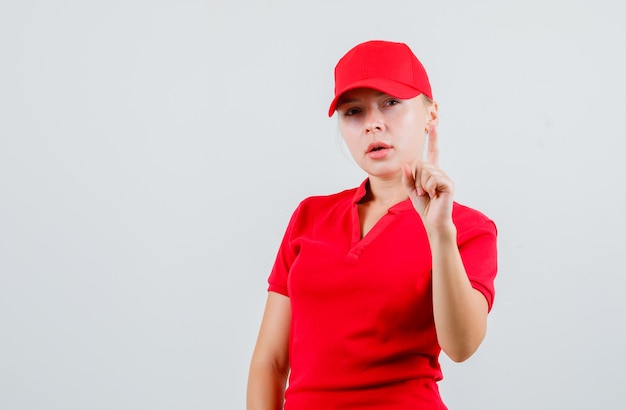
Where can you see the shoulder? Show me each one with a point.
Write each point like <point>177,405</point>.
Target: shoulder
<point>463,213</point>
<point>469,221</point>
<point>315,208</point>
<point>321,203</point>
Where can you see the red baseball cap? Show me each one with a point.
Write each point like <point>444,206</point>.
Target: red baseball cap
<point>384,66</point>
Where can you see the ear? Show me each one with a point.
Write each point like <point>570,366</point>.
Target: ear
<point>433,114</point>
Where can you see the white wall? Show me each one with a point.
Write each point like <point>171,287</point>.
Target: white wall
<point>151,153</point>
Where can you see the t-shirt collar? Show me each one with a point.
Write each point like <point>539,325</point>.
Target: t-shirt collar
<point>361,191</point>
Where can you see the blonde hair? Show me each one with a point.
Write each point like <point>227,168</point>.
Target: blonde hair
<point>427,100</point>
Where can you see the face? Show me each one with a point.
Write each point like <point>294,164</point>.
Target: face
<point>383,132</point>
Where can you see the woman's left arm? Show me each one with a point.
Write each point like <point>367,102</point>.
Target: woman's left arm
<point>460,311</point>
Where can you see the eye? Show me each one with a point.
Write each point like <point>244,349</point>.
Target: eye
<point>349,112</point>
<point>391,102</point>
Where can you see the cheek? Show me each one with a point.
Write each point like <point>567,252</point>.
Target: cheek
<point>352,145</point>
<point>349,134</point>
<point>415,138</point>
<point>347,126</point>
<point>416,122</point>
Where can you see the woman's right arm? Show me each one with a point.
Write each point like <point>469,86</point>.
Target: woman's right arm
<point>269,366</point>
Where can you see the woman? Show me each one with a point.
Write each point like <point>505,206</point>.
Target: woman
<point>370,284</point>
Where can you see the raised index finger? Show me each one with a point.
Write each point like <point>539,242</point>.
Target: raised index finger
<point>432,155</point>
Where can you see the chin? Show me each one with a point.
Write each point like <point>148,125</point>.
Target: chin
<point>386,172</point>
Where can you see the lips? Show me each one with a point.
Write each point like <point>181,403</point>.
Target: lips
<point>377,150</point>
<point>377,146</point>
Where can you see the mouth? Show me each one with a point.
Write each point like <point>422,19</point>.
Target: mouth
<point>377,146</point>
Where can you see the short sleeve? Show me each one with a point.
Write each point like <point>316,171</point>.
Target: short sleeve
<point>478,249</point>
<point>287,253</point>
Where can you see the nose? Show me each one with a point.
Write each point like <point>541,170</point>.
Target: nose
<point>374,123</point>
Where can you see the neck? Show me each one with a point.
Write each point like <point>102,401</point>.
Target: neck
<point>386,191</point>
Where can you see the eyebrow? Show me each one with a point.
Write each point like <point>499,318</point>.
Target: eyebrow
<point>343,101</point>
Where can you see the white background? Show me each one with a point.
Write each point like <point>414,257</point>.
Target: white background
<point>151,153</point>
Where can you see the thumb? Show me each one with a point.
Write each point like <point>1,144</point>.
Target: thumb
<point>413,188</point>
<point>411,181</point>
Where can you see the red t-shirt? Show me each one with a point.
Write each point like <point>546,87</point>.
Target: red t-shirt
<point>362,330</point>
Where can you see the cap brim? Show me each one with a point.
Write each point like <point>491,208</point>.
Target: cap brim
<point>393,88</point>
